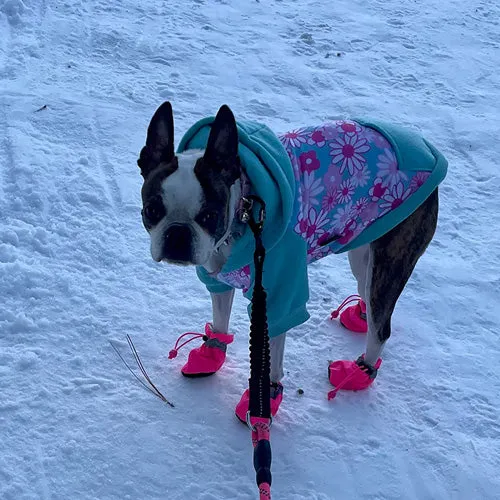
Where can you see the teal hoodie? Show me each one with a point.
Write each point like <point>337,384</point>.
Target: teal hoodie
<point>351,180</point>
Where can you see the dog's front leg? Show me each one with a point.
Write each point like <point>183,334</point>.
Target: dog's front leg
<point>277,349</point>
<point>221,310</point>
<point>210,356</point>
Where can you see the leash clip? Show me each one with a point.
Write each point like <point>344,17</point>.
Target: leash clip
<point>246,212</point>
<point>245,209</point>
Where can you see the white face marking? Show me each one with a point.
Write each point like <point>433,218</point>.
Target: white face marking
<point>181,191</point>
<point>183,197</point>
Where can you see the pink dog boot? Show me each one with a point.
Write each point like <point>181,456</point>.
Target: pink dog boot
<point>354,317</point>
<point>276,398</point>
<point>209,357</point>
<point>351,375</point>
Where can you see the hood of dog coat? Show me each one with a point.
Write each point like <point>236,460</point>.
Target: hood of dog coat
<point>269,170</point>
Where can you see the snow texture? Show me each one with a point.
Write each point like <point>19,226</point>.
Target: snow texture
<point>79,81</point>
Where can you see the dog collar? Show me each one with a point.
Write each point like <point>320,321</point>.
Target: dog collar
<point>241,214</point>
<point>242,211</point>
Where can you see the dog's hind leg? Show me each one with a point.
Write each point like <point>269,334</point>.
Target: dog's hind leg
<point>358,260</point>
<point>391,261</point>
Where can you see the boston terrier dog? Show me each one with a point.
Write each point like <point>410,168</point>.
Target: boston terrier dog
<point>363,187</point>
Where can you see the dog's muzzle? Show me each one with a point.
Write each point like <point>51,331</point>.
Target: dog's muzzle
<point>178,243</point>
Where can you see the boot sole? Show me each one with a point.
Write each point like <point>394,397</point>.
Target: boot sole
<point>197,375</point>
<point>239,419</point>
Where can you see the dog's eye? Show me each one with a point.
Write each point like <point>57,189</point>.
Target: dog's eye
<point>154,211</point>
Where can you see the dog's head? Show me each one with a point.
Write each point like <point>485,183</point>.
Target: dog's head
<point>187,199</point>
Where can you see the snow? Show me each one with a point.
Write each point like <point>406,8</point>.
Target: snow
<point>76,273</point>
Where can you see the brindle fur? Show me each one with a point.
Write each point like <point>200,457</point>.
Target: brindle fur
<point>391,262</point>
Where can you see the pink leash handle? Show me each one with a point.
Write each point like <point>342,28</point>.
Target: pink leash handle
<point>262,454</point>
<point>265,491</point>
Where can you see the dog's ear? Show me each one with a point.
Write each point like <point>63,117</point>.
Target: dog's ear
<point>160,140</point>
<point>222,146</point>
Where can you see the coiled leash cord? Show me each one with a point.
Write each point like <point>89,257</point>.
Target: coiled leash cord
<point>259,410</point>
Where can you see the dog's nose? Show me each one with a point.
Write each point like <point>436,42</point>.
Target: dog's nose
<point>178,243</point>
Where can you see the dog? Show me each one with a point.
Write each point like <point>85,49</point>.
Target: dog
<point>308,178</point>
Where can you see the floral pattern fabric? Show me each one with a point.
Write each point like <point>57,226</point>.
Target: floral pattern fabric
<point>347,176</point>
<point>239,279</point>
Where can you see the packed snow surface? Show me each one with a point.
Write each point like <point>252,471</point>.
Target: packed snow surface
<point>79,81</point>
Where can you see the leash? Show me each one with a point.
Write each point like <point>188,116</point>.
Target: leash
<point>259,410</point>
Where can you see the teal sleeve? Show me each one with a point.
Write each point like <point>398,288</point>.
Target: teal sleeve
<point>213,286</point>
<point>286,284</point>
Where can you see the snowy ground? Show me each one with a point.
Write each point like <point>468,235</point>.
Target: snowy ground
<point>75,270</point>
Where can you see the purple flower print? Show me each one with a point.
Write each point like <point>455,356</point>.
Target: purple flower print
<point>394,198</point>
<point>333,177</point>
<point>377,190</point>
<point>348,127</point>
<point>369,213</point>
<point>311,189</point>
<point>342,217</point>
<point>309,161</point>
<point>418,180</point>
<point>345,191</point>
<point>375,137</point>
<point>310,224</point>
<point>388,169</point>
<point>360,206</point>
<point>330,199</point>
<point>317,138</point>
<point>294,138</point>
<point>349,151</point>
<point>360,177</point>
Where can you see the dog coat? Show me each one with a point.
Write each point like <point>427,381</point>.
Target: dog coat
<point>328,189</point>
